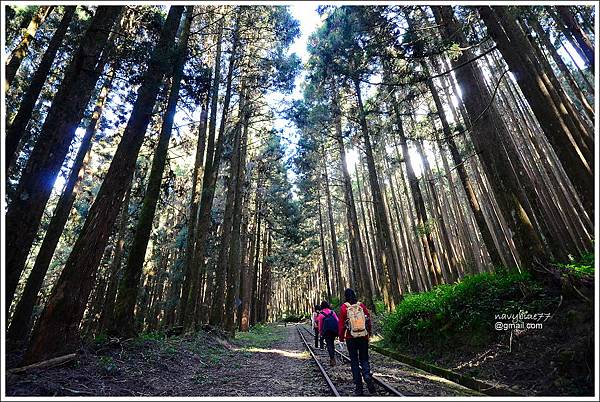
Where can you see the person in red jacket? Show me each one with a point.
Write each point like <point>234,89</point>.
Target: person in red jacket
<point>357,339</point>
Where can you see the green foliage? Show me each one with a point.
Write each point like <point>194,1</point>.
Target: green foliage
<point>291,317</point>
<point>463,312</point>
<point>108,365</point>
<point>380,307</point>
<point>100,339</point>
<point>153,336</point>
<point>335,302</point>
<point>581,267</point>
<point>455,51</point>
<point>259,336</point>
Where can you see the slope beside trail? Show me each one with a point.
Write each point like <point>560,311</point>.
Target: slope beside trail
<point>267,361</point>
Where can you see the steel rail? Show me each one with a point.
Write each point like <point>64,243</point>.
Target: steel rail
<point>377,380</point>
<point>331,386</point>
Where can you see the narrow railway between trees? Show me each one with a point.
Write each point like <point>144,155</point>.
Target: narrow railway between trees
<point>392,378</point>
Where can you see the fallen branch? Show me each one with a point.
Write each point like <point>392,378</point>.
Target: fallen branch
<point>44,364</point>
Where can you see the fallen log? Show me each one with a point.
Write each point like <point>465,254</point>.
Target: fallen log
<point>44,364</point>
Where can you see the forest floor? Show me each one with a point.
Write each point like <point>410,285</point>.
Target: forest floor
<point>267,361</point>
<point>271,360</point>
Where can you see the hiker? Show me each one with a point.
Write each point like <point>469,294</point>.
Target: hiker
<point>313,323</point>
<point>355,329</point>
<point>328,328</point>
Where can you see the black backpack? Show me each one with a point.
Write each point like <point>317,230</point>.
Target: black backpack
<point>330,325</point>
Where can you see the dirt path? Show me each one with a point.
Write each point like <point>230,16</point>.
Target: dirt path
<point>267,361</point>
<point>275,365</point>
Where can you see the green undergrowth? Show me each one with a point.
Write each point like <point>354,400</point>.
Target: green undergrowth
<point>579,268</point>
<point>463,313</point>
<point>259,336</point>
<point>292,317</point>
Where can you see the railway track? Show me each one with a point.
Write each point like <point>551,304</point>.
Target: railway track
<point>381,384</point>
<point>391,377</point>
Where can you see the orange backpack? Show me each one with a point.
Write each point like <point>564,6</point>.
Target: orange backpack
<point>357,320</point>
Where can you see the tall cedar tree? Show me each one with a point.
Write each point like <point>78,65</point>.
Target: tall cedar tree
<point>37,180</point>
<point>66,304</point>
<point>16,128</point>
<point>128,287</point>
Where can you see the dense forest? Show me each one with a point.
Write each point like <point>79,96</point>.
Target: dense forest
<point>150,184</point>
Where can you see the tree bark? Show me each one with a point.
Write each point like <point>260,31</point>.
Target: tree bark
<point>487,133</point>
<point>357,252</point>
<point>192,277</point>
<point>128,286</point>
<point>210,178</point>
<point>16,128</point>
<point>554,115</point>
<point>383,230</point>
<point>37,180</point>
<point>66,304</point>
<point>19,326</point>
<point>464,178</point>
<point>106,316</point>
<point>18,54</point>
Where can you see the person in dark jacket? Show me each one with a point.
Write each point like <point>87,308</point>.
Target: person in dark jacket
<point>357,344</point>
<point>328,330</point>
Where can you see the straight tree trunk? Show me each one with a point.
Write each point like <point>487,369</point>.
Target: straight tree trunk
<point>383,230</point>
<point>487,132</point>
<point>357,252</point>
<point>192,277</point>
<point>106,316</point>
<point>462,174</point>
<point>18,54</point>
<point>553,114</point>
<point>19,326</point>
<point>37,180</point>
<point>224,270</point>
<point>128,287</point>
<point>66,304</point>
<point>581,37</point>
<point>16,128</point>
<point>235,251</point>
<point>333,237</point>
<point>210,178</point>
<point>249,272</point>
<point>193,214</point>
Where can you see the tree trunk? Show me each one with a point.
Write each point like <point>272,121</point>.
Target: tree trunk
<point>422,219</point>
<point>235,251</point>
<point>193,214</point>
<point>487,133</point>
<point>323,250</point>
<point>106,316</point>
<point>19,326</point>
<point>224,269</point>
<point>383,230</point>
<point>357,252</point>
<point>210,179</point>
<point>333,237</point>
<point>554,115</point>
<point>462,174</point>
<point>581,37</point>
<point>542,36</point>
<point>128,286</point>
<point>248,279</point>
<point>18,54</point>
<point>37,180</point>
<point>16,128</point>
<point>66,304</point>
<point>190,283</point>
